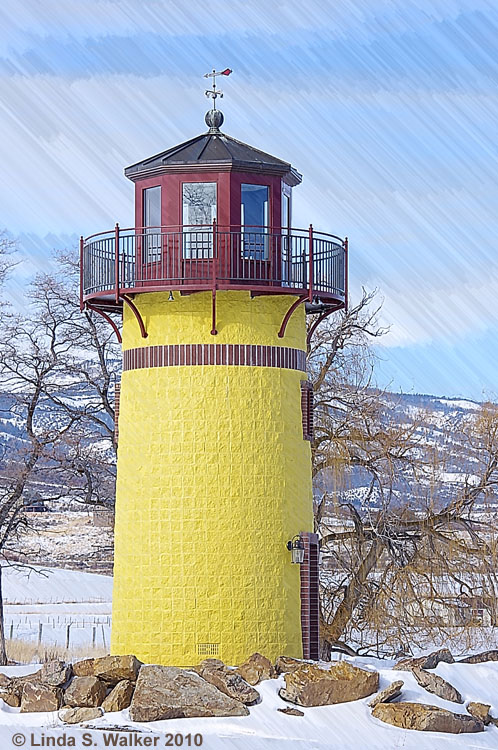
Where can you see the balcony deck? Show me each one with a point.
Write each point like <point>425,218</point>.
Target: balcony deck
<point>118,264</point>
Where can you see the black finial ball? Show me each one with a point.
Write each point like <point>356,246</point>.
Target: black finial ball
<point>214,119</point>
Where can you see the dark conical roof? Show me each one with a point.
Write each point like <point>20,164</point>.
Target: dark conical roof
<point>211,151</point>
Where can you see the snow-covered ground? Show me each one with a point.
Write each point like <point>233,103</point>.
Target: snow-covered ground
<point>348,726</point>
<point>69,606</point>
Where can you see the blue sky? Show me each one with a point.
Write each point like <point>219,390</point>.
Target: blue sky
<point>389,108</point>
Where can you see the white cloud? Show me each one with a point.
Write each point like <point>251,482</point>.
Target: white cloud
<point>23,21</point>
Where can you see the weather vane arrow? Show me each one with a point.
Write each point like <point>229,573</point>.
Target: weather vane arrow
<point>214,93</point>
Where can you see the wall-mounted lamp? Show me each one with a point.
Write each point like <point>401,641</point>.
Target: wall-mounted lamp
<point>296,548</point>
<point>171,298</point>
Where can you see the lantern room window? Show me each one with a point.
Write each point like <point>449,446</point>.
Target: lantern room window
<point>286,209</point>
<point>254,211</point>
<point>152,223</point>
<point>286,245</point>
<point>199,211</point>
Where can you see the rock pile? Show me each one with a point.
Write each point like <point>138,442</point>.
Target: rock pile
<point>87,689</point>
<point>427,718</point>
<point>105,684</point>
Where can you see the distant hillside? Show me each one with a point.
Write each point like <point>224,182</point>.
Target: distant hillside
<point>437,422</point>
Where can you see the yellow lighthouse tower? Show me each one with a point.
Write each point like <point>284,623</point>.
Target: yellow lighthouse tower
<point>214,547</point>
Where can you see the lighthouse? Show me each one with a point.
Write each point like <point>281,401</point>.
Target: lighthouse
<point>215,554</point>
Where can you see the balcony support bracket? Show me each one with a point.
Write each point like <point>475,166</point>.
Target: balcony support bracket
<point>316,323</point>
<point>108,319</point>
<point>288,314</point>
<point>214,331</point>
<point>137,315</point>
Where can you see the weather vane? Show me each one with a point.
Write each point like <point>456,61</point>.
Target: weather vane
<point>214,93</point>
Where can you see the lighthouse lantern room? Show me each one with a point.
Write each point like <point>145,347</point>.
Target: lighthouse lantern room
<point>215,408</point>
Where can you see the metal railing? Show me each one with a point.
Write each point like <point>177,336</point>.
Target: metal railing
<point>213,257</point>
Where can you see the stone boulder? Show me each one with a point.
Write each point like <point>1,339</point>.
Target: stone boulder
<point>429,661</point>
<point>312,686</point>
<point>210,664</point>
<point>425,718</point>
<point>78,715</point>
<point>256,669</point>
<point>174,693</point>
<point>232,684</point>
<point>85,692</point>
<point>291,711</point>
<point>480,658</point>
<point>55,673</point>
<point>7,693</point>
<point>435,684</point>
<point>4,681</point>
<point>120,697</point>
<point>480,711</point>
<point>38,697</point>
<point>11,699</point>
<point>16,684</point>
<point>390,693</point>
<point>84,668</point>
<point>227,680</point>
<point>287,664</point>
<point>114,669</point>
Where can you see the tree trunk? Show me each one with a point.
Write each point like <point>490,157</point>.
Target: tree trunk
<point>3,650</point>
<point>334,630</point>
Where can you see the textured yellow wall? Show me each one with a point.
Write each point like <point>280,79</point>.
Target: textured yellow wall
<point>213,478</point>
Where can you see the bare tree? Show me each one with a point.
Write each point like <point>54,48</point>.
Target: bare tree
<point>57,372</point>
<point>30,365</point>
<point>7,256</point>
<point>393,558</point>
<point>92,364</point>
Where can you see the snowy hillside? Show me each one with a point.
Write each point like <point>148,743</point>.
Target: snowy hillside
<point>48,585</point>
<point>437,418</point>
<point>436,422</point>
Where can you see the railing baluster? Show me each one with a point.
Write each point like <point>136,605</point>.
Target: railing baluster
<point>310,280</point>
<point>116,262</point>
<point>81,272</point>
<point>213,254</point>
<point>346,250</point>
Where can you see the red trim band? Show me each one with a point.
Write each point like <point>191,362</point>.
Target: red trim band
<point>248,355</point>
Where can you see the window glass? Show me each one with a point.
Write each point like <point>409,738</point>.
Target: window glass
<point>286,240</point>
<point>285,213</point>
<point>199,210</point>
<point>152,219</point>
<point>254,211</point>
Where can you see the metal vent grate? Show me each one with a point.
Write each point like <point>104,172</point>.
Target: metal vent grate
<point>208,649</point>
